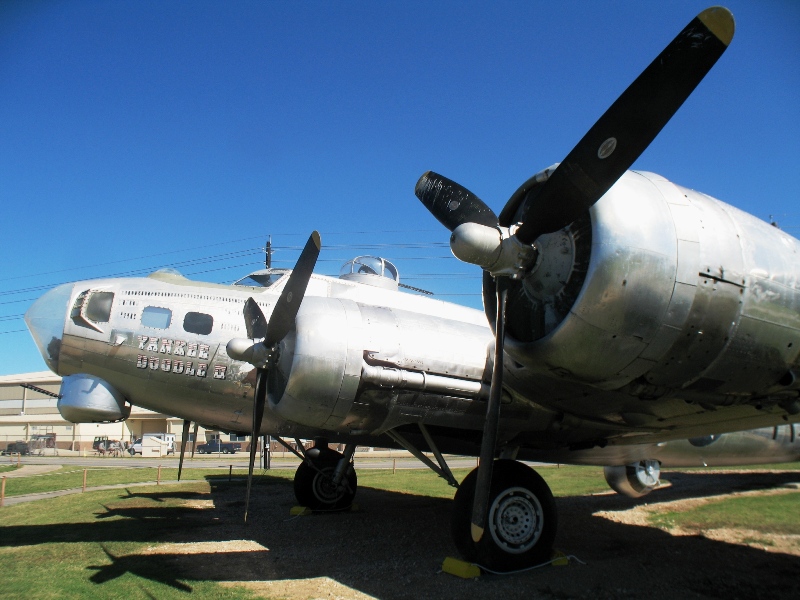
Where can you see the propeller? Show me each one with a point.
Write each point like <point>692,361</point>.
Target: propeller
<point>263,354</point>
<point>626,129</point>
<point>184,439</point>
<point>492,422</point>
<point>451,203</point>
<point>553,201</point>
<point>194,438</point>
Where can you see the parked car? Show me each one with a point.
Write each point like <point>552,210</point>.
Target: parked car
<point>98,441</point>
<point>18,447</point>
<point>219,446</point>
<point>136,447</point>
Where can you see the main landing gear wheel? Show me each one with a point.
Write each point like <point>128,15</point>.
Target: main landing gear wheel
<point>521,523</point>
<point>313,484</point>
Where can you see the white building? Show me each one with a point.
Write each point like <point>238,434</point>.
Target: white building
<point>25,413</point>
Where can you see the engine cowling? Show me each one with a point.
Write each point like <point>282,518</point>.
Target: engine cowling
<point>338,345</point>
<point>89,399</point>
<point>663,285</point>
<point>634,480</point>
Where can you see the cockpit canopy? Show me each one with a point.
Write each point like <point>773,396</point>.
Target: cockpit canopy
<point>264,278</point>
<point>371,270</point>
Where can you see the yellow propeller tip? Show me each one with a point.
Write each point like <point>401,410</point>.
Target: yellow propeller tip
<point>477,532</point>
<point>719,21</point>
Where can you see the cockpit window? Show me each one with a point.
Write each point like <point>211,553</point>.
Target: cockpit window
<point>200,323</point>
<point>98,309</point>
<point>261,279</point>
<point>156,317</point>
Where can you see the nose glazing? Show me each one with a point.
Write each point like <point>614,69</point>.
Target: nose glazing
<point>45,319</point>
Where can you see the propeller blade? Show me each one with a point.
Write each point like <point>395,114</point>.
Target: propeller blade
<point>617,139</point>
<point>254,320</point>
<point>282,319</point>
<point>451,203</point>
<point>259,397</point>
<point>194,438</point>
<point>480,506</point>
<point>280,323</point>
<point>184,439</point>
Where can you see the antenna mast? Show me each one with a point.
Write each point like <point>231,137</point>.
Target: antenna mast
<point>268,261</point>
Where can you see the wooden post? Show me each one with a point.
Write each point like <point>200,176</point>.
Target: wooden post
<point>230,472</point>
<point>19,457</point>
<point>3,491</point>
<point>84,480</point>
<point>158,480</point>
<point>394,466</point>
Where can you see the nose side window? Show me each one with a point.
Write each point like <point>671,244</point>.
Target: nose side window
<point>98,309</point>
<point>200,323</point>
<point>156,317</point>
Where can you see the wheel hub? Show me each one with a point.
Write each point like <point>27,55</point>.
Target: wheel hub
<point>324,489</point>
<point>516,520</point>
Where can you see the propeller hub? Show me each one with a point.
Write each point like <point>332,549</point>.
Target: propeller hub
<point>494,249</point>
<point>259,354</point>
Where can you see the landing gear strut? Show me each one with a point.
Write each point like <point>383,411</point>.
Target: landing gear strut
<point>521,520</point>
<point>318,484</point>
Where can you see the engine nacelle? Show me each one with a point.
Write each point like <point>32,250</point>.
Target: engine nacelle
<point>89,399</point>
<point>663,285</point>
<point>634,480</point>
<point>322,364</point>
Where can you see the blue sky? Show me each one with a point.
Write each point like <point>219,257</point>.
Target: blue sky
<point>141,134</point>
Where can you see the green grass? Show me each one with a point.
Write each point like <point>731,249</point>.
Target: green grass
<point>90,545</point>
<point>569,480</point>
<point>86,546</point>
<point>774,513</point>
<point>7,468</point>
<point>410,481</point>
<point>563,480</point>
<point>72,477</point>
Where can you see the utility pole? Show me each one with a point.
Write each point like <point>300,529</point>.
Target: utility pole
<point>269,252</point>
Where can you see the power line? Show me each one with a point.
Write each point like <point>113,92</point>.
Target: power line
<point>204,246</point>
<point>235,254</point>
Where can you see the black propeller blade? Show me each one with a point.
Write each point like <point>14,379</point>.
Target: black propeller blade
<point>280,324</point>
<point>259,400</point>
<point>282,319</point>
<point>617,139</point>
<point>452,203</point>
<point>480,505</point>
<point>184,439</point>
<point>254,321</point>
<point>194,438</point>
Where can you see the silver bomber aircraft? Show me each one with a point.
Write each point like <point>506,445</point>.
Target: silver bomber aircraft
<point>622,312</point>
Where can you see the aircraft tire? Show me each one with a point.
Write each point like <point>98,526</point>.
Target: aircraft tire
<point>522,521</point>
<point>634,480</point>
<point>313,485</point>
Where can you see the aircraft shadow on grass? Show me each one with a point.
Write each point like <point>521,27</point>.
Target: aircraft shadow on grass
<point>394,529</point>
<point>163,496</point>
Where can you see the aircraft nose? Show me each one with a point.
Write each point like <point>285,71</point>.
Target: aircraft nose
<point>45,319</point>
